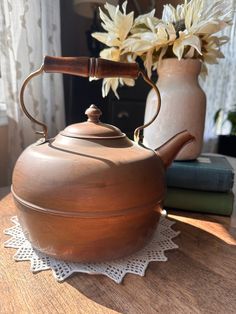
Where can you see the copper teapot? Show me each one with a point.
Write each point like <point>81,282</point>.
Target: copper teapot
<point>91,194</point>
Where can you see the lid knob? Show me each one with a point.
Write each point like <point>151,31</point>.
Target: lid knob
<point>93,113</point>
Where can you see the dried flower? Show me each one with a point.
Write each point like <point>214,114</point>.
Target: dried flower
<point>117,25</point>
<point>186,31</point>
<point>195,20</point>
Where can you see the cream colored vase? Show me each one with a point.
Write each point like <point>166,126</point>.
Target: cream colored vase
<point>183,106</point>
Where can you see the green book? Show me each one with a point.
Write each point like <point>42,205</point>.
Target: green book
<point>200,201</point>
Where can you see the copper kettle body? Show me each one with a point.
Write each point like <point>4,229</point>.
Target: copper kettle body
<point>91,194</point>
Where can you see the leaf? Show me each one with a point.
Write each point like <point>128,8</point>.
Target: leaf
<point>105,87</point>
<point>148,62</point>
<point>190,53</point>
<point>189,18</point>
<point>142,19</point>
<point>169,13</point>
<point>232,117</point>
<point>110,54</point>
<point>212,27</point>
<point>178,49</point>
<point>137,45</point>
<point>128,82</point>
<point>124,24</point>
<point>163,52</point>
<point>107,24</point>
<point>217,115</point>
<point>186,40</point>
<point>111,9</point>
<point>107,38</point>
<point>114,86</point>
<point>124,6</point>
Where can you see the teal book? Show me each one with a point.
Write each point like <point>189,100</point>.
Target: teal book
<point>206,173</point>
<point>200,201</point>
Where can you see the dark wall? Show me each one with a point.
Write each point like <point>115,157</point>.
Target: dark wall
<point>79,92</point>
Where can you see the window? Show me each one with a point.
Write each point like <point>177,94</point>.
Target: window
<point>3,116</point>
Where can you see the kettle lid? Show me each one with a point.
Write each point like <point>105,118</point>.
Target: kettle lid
<point>92,128</point>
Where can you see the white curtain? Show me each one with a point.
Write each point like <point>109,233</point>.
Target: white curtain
<point>30,29</point>
<point>220,86</point>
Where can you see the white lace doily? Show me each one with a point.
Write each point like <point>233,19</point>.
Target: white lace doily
<point>116,270</point>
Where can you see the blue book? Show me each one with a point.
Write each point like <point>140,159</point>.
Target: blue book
<point>206,173</point>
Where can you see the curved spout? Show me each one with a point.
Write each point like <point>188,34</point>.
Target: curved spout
<point>171,148</point>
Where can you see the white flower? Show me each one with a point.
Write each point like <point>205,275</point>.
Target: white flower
<point>195,19</point>
<point>183,32</point>
<point>186,39</point>
<point>187,31</point>
<point>144,22</point>
<point>211,51</point>
<point>154,36</point>
<point>117,25</point>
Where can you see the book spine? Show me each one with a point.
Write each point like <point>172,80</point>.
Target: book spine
<point>200,201</point>
<point>200,179</point>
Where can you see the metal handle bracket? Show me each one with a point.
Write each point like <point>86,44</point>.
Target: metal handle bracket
<point>84,67</point>
<point>22,103</point>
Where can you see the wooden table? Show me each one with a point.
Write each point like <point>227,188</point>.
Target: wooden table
<point>199,277</point>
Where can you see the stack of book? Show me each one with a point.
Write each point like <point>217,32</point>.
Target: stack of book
<point>203,185</point>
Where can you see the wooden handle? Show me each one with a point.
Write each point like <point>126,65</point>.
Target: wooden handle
<point>90,67</point>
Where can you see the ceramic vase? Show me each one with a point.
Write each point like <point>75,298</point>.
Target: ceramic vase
<point>183,106</point>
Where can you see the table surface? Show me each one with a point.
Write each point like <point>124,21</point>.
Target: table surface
<point>199,277</point>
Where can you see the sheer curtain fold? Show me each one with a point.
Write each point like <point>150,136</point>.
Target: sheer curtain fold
<point>220,85</point>
<point>30,29</point>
